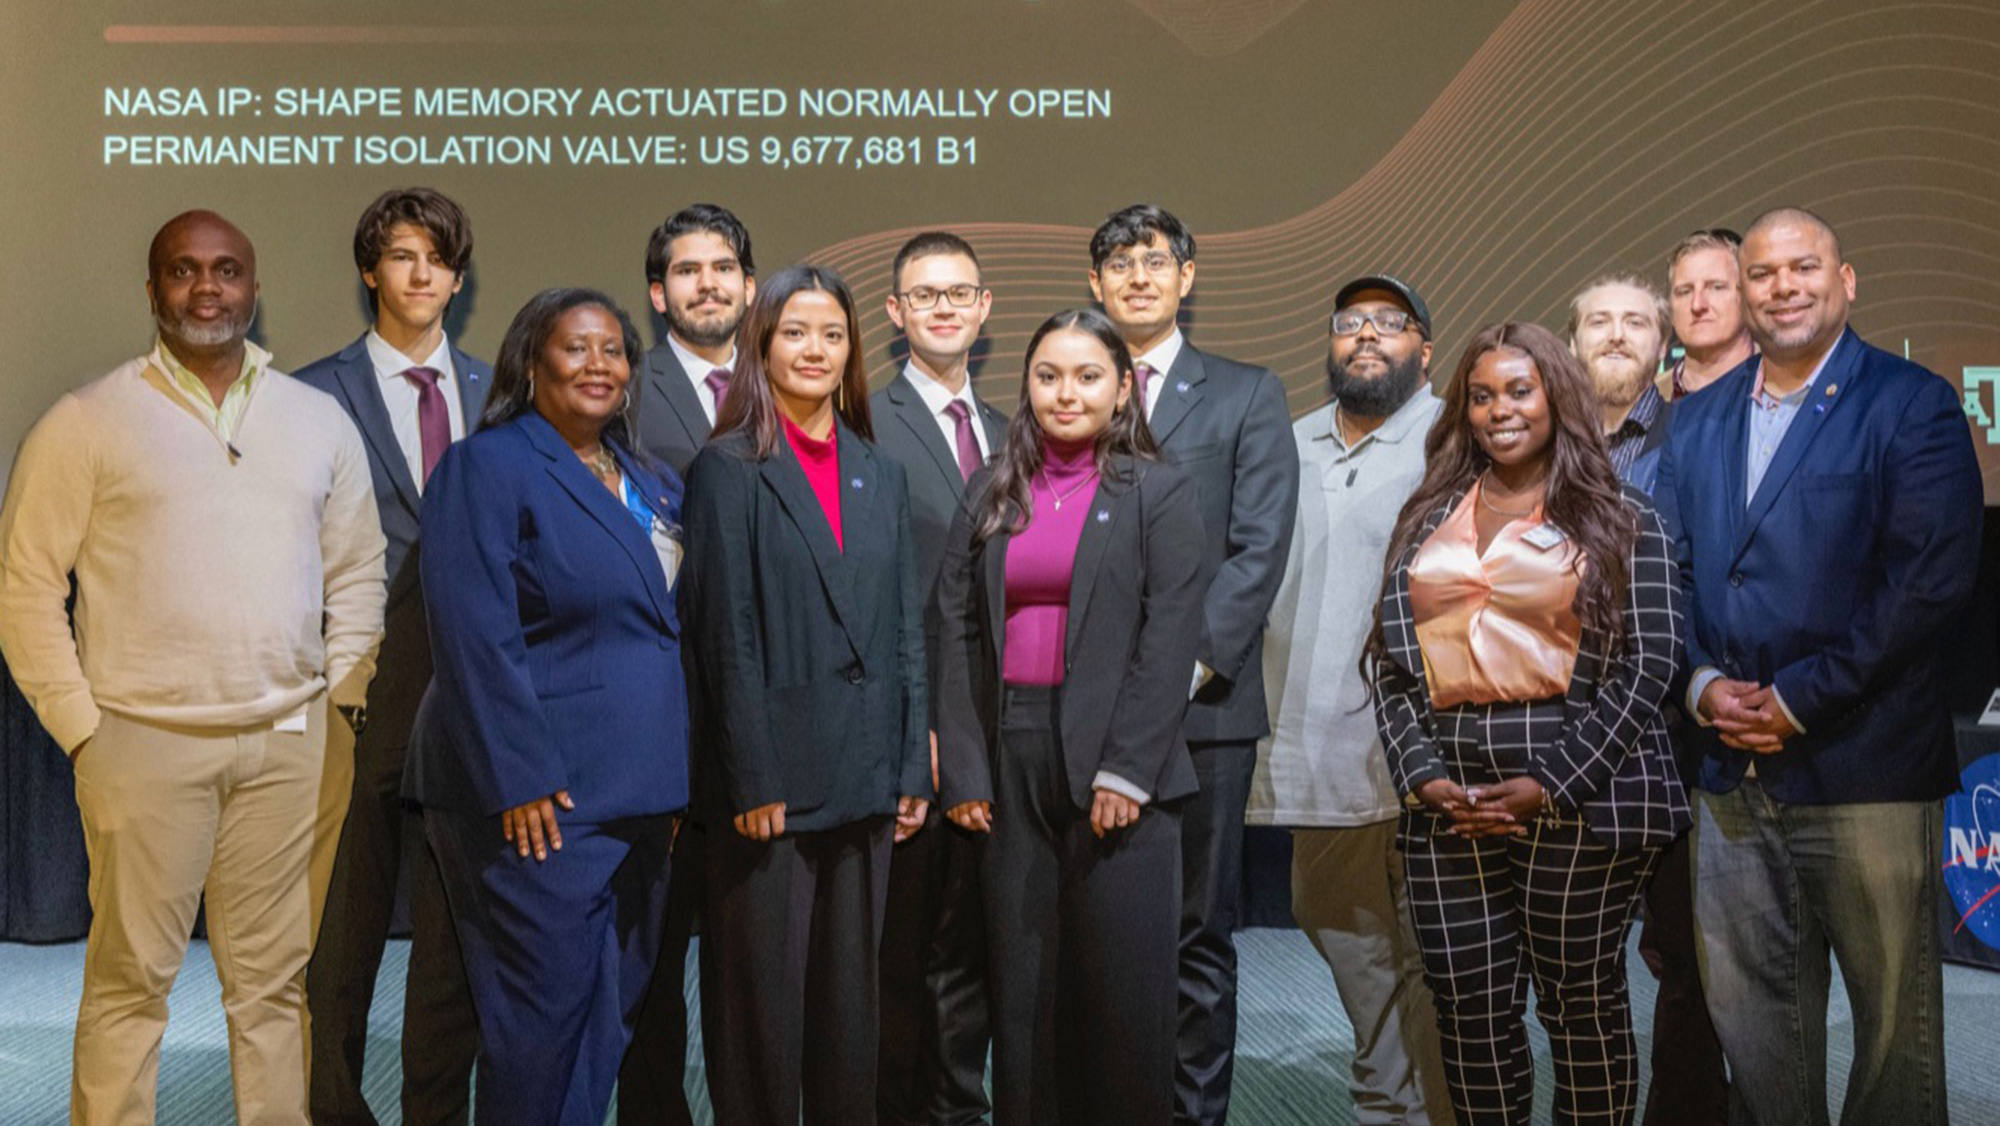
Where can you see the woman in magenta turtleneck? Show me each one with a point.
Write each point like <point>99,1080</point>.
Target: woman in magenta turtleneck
<point>1071,604</point>
<point>811,748</point>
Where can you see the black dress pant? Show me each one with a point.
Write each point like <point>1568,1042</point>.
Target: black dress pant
<point>652,1081</point>
<point>1082,934</point>
<point>1212,893</point>
<point>1690,1085</point>
<point>440,1029</point>
<point>796,928</point>
<point>934,1016</point>
<point>1494,914</point>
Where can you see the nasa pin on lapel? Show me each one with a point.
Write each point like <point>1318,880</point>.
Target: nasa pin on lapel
<point>856,482</point>
<point>1831,390</point>
<point>1104,516</point>
<point>1182,387</point>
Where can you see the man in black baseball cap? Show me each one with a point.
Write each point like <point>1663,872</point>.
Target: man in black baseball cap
<point>1322,773</point>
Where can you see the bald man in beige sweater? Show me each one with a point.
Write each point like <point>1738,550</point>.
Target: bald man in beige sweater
<point>218,520</point>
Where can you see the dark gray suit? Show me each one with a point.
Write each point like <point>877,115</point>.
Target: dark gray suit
<point>1228,427</point>
<point>934,1014</point>
<point>440,1033</point>
<point>673,427</point>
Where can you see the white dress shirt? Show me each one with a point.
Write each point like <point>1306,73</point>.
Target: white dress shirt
<point>400,396</point>
<point>697,370</point>
<point>1162,359</point>
<point>936,398</point>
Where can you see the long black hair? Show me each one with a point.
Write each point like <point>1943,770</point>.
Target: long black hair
<point>513,392</point>
<point>751,404</point>
<point>1009,502</point>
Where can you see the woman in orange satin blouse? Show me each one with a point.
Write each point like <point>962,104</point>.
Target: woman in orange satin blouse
<point>1529,627</point>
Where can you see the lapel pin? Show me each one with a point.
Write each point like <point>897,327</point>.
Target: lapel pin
<point>1831,388</point>
<point>1103,516</point>
<point>856,482</point>
<point>1182,386</point>
<point>1819,408</point>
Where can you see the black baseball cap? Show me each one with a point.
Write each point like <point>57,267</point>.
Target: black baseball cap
<point>1394,285</point>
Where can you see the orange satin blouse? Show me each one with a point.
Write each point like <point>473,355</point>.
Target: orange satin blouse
<point>1495,627</point>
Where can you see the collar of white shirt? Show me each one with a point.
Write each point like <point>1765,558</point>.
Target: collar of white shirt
<point>1162,359</point>
<point>936,398</point>
<point>391,364</point>
<point>697,369</point>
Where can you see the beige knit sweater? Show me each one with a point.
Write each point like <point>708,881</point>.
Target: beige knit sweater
<point>213,590</point>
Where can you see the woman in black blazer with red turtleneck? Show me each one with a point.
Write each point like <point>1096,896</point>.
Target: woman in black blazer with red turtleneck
<point>1070,599</point>
<point>804,627</point>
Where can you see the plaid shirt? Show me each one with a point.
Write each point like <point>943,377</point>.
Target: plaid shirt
<point>1626,442</point>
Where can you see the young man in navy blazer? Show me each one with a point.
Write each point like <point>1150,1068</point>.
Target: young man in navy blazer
<point>1227,426</point>
<point>700,276</point>
<point>1824,499</point>
<point>411,394</point>
<point>932,1065</point>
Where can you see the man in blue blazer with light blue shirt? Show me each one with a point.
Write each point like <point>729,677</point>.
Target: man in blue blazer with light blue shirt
<point>411,393</point>
<point>1825,502</point>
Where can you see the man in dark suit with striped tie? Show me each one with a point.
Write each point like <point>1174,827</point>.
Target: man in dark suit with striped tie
<point>700,275</point>
<point>411,393</point>
<point>934,1016</point>
<point>1227,425</point>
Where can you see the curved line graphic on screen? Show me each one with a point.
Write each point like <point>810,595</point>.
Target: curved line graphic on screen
<point>1217,27</point>
<point>1527,174</point>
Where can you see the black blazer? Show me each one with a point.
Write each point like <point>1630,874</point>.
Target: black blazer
<point>1614,764</point>
<point>403,666</point>
<point>672,425</point>
<point>1227,426</point>
<point>906,430</point>
<point>1134,623</point>
<point>807,661</point>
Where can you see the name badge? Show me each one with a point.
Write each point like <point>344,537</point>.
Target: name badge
<point>1543,536</point>
<point>667,544</point>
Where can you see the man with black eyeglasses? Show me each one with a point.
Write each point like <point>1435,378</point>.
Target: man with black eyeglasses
<point>1226,425</point>
<point>1322,773</point>
<point>934,1020</point>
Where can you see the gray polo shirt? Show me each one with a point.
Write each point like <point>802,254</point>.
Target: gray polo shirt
<point>1323,763</point>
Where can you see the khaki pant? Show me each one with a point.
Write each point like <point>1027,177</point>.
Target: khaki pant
<point>168,814</point>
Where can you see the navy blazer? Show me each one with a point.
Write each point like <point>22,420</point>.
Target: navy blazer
<point>1135,594</point>
<point>553,632</point>
<point>1227,426</point>
<point>806,659</point>
<point>1837,580</point>
<point>403,667</point>
<point>1614,764</point>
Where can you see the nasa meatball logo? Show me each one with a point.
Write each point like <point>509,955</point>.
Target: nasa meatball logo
<point>1972,850</point>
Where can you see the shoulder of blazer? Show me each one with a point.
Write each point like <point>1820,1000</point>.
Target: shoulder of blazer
<point>323,372</point>
<point>1230,372</point>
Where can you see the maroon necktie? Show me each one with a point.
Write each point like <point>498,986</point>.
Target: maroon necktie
<point>717,380</point>
<point>969,460</point>
<point>433,419</point>
<point>1146,373</point>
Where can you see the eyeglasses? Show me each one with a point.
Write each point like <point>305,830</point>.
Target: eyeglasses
<point>924,297</point>
<point>1155,262</point>
<point>1387,322</point>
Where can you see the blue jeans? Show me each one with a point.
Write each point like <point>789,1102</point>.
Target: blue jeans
<point>1777,888</point>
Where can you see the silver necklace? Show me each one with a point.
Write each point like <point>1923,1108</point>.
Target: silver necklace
<point>1061,497</point>
<point>1496,509</point>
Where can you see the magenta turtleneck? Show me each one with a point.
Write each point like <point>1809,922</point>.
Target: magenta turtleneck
<point>1040,558</point>
<point>821,461</point>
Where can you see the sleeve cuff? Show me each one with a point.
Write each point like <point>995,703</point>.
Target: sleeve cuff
<point>1697,684</point>
<point>1106,780</point>
<point>73,722</point>
<point>1785,708</point>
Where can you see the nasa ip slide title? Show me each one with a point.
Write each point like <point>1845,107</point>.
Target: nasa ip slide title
<point>332,125</point>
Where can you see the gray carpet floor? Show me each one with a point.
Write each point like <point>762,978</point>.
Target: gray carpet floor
<point>1292,1060</point>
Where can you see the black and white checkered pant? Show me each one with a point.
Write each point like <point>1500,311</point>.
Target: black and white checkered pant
<point>1494,914</point>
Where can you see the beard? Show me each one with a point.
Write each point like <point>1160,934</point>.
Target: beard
<point>711,331</point>
<point>1619,379</point>
<point>1375,396</point>
<point>210,335</point>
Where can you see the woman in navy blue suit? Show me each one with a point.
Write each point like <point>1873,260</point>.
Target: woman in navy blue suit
<point>550,752</point>
<point>805,627</point>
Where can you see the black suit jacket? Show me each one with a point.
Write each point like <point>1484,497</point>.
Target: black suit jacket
<point>906,430</point>
<point>1134,623</point>
<point>672,425</point>
<point>807,659</point>
<point>1614,764</point>
<point>1227,426</point>
<point>403,666</point>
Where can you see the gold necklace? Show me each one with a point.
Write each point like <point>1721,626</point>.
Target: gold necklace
<point>1061,497</point>
<point>601,463</point>
<point>1496,509</point>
